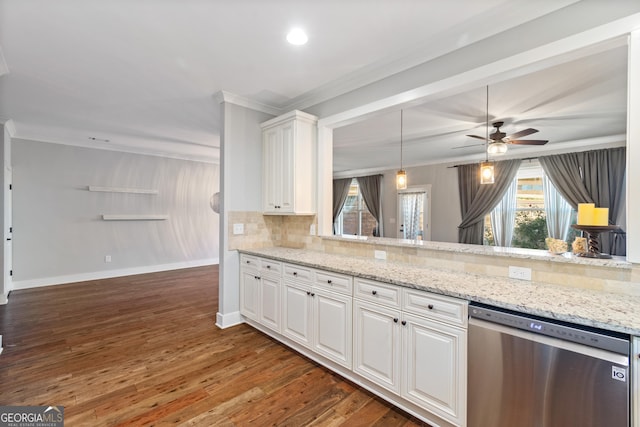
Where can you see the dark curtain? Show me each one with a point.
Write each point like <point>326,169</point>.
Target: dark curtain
<point>340,192</point>
<point>477,200</point>
<point>370,188</point>
<point>592,177</point>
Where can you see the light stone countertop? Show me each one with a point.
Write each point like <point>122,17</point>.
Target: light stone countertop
<point>615,312</point>
<point>534,254</point>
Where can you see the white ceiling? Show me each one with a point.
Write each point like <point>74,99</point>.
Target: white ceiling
<point>143,73</point>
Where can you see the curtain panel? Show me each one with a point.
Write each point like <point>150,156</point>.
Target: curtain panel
<point>340,192</point>
<point>596,176</point>
<point>371,190</point>
<point>503,216</point>
<point>477,200</point>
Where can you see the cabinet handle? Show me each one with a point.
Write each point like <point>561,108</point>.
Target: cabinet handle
<point>404,322</point>
<point>430,306</point>
<point>329,281</point>
<point>395,319</point>
<point>374,292</point>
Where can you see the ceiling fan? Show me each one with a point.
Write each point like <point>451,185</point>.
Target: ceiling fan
<point>498,140</point>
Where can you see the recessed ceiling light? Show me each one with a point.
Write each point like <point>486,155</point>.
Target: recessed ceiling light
<point>297,37</point>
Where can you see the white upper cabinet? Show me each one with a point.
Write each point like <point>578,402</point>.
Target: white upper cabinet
<point>288,166</point>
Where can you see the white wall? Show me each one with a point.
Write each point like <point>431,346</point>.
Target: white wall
<point>59,235</point>
<point>445,203</point>
<point>241,190</point>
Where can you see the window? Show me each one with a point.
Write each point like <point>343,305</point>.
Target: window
<point>529,227</point>
<point>355,217</point>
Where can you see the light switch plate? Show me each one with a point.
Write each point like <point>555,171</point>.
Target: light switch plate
<point>238,228</point>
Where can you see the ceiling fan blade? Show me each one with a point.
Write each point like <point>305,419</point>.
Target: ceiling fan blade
<point>522,133</point>
<point>528,142</point>
<point>467,146</point>
<point>477,137</point>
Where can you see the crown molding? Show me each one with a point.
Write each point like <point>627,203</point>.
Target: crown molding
<point>232,98</point>
<point>9,125</point>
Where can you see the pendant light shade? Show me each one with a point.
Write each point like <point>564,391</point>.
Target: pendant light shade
<point>401,175</point>
<point>487,173</point>
<point>497,148</point>
<point>401,180</point>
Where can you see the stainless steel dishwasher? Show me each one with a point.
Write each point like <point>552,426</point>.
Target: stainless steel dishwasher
<point>527,371</point>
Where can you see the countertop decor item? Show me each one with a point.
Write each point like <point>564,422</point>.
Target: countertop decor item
<point>593,232</point>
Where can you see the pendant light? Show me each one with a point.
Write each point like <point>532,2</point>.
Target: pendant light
<point>487,175</point>
<point>401,175</point>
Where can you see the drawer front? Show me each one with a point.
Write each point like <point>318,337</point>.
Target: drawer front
<point>438,307</point>
<point>334,282</point>
<point>249,261</point>
<point>269,266</point>
<point>381,293</point>
<point>292,271</point>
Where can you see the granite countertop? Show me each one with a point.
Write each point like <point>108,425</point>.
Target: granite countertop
<point>534,254</point>
<point>615,312</point>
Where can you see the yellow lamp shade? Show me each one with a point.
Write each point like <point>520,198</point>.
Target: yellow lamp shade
<point>401,179</point>
<point>586,212</point>
<point>486,173</point>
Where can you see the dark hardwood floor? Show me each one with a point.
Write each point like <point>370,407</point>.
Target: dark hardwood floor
<point>144,350</point>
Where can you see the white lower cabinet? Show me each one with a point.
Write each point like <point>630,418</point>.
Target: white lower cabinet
<point>409,343</point>
<point>260,292</point>
<point>435,361</point>
<point>318,319</point>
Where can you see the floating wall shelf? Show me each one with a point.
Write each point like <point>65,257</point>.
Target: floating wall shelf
<point>128,217</point>
<point>122,190</point>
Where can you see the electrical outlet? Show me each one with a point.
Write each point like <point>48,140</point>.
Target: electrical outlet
<point>238,228</point>
<point>380,254</point>
<point>520,273</point>
<point>107,258</point>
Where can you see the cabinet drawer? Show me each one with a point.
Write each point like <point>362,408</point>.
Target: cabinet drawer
<point>249,261</point>
<point>334,281</point>
<point>269,266</point>
<point>292,271</point>
<point>381,293</point>
<point>438,307</point>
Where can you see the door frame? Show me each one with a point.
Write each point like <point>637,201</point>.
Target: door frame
<point>425,188</point>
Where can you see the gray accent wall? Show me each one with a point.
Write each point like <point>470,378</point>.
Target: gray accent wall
<point>59,234</point>
<point>445,200</point>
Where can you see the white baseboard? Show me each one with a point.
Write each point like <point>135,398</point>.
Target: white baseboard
<point>108,274</point>
<point>4,299</point>
<point>224,321</point>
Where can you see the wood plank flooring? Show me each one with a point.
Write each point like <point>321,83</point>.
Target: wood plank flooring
<point>144,351</point>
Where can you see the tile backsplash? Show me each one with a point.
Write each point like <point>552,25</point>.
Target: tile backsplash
<point>295,232</point>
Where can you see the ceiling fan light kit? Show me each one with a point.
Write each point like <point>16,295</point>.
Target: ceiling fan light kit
<point>497,148</point>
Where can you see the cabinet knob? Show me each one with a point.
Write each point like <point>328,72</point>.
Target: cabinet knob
<point>295,273</point>
<point>329,281</point>
<point>395,319</point>
<point>268,267</point>
<point>312,294</point>
<point>374,292</point>
<point>430,306</point>
<point>404,322</point>
<point>308,292</point>
<point>248,262</point>
<point>256,277</point>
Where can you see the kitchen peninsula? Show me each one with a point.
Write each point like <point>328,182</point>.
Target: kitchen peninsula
<point>399,326</point>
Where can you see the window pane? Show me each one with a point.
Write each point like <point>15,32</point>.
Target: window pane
<point>530,193</point>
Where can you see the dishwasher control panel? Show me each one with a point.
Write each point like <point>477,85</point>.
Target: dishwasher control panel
<point>591,337</point>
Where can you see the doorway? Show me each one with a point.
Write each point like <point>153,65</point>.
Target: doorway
<point>414,212</point>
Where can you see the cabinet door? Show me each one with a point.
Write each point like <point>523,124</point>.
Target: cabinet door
<point>377,344</point>
<point>270,302</point>
<point>287,168</point>
<point>249,294</point>
<point>332,329</point>
<point>435,367</point>
<point>297,312</point>
<point>272,169</point>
